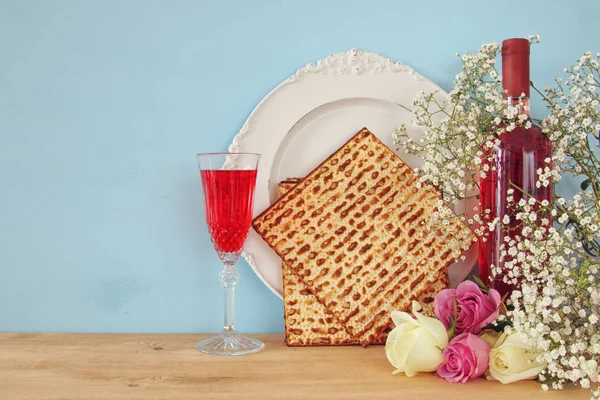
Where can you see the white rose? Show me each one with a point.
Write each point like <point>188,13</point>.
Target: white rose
<point>415,345</point>
<point>512,360</point>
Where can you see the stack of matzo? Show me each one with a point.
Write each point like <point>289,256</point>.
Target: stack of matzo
<point>310,323</point>
<point>352,233</point>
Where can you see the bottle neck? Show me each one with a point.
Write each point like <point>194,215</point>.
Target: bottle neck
<point>515,67</point>
<point>520,103</point>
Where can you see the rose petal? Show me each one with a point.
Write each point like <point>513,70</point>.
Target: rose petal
<point>512,360</point>
<point>443,304</point>
<point>401,317</point>
<point>471,355</point>
<point>435,328</point>
<point>462,350</point>
<point>447,372</point>
<point>517,358</point>
<point>467,287</point>
<point>452,370</point>
<point>402,349</point>
<point>475,309</point>
<point>482,351</point>
<point>515,339</point>
<point>491,310</point>
<point>424,356</point>
<point>531,373</point>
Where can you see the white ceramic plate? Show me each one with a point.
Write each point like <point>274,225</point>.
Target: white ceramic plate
<point>310,115</point>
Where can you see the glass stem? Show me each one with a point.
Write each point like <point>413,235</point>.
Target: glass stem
<point>229,277</point>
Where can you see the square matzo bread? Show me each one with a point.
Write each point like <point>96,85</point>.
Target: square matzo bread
<point>310,323</point>
<point>353,231</point>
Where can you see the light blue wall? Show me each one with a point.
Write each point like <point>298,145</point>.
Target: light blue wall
<point>103,105</point>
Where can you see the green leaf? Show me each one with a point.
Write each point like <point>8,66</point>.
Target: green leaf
<point>498,327</point>
<point>585,184</point>
<point>453,327</point>
<point>480,283</point>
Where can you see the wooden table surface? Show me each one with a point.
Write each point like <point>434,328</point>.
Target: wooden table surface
<point>166,366</point>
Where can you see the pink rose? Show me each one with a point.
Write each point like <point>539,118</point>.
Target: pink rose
<point>467,356</point>
<point>474,309</point>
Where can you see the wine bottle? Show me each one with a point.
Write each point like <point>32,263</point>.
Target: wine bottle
<point>513,164</point>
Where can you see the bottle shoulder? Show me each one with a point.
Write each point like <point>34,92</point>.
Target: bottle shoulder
<point>526,139</point>
<point>533,131</point>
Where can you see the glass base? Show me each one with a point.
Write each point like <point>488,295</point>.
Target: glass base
<point>230,344</point>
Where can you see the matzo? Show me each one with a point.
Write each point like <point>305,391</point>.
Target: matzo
<point>353,232</point>
<point>310,323</point>
<point>286,185</point>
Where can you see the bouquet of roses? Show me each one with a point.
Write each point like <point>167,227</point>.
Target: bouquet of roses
<point>464,341</point>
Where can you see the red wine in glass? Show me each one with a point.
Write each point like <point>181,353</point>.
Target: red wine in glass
<point>228,197</point>
<point>228,182</point>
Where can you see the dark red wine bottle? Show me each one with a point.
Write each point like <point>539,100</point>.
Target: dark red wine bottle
<point>521,153</point>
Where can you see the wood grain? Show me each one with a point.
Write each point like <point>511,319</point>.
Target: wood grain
<point>131,367</point>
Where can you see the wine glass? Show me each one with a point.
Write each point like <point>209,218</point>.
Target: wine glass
<point>228,181</point>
